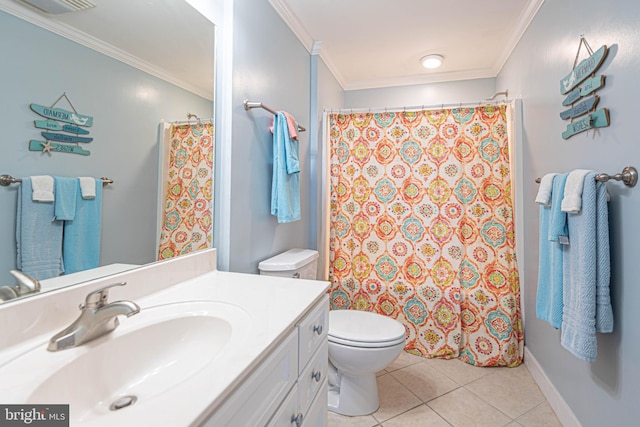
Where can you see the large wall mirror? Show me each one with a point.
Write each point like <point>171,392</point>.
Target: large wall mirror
<point>129,65</point>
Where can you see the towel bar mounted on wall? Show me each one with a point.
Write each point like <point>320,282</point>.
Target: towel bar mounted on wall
<point>8,179</point>
<point>249,105</point>
<point>629,177</point>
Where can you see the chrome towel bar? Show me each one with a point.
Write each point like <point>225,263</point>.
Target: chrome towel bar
<point>629,177</point>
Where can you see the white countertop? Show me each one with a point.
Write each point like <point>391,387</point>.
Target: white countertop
<point>273,304</point>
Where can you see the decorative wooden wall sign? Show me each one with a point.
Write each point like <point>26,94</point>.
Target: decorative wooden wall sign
<point>583,73</point>
<point>584,69</point>
<point>53,125</point>
<point>73,123</point>
<point>48,147</point>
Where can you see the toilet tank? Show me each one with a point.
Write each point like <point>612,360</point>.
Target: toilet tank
<point>296,263</point>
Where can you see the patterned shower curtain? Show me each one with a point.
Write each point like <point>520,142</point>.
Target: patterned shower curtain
<point>422,229</point>
<point>188,218</point>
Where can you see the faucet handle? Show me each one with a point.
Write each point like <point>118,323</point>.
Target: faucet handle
<point>99,297</point>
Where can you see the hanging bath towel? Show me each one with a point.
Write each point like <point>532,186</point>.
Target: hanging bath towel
<point>587,303</point>
<point>38,236</point>
<point>285,185</point>
<point>81,245</point>
<point>553,229</point>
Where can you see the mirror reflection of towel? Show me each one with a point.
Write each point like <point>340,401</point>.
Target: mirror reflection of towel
<point>81,244</point>
<point>65,203</point>
<point>38,236</point>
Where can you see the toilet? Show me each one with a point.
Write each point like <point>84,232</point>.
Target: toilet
<point>360,343</point>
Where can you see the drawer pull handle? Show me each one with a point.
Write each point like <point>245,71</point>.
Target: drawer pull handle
<point>297,419</point>
<point>316,376</point>
<point>296,275</point>
<point>318,329</point>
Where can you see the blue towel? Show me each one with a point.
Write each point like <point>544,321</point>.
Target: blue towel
<point>587,305</point>
<point>38,236</point>
<point>558,221</point>
<point>81,245</point>
<point>550,281</point>
<point>65,197</point>
<point>285,184</point>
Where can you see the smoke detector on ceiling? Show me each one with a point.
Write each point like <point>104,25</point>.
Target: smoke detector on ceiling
<point>56,7</point>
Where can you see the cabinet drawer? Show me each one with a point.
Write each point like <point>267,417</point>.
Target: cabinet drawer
<point>288,413</point>
<point>259,397</point>
<point>313,331</point>
<point>317,415</point>
<point>313,376</point>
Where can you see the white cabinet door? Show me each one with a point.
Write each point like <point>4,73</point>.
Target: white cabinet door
<point>259,397</point>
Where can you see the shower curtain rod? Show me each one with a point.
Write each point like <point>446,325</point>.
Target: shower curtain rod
<point>416,107</point>
<point>191,122</point>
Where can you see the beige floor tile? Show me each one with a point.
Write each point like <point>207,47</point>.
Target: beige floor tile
<point>460,372</point>
<point>424,381</point>
<point>336,420</point>
<point>540,416</point>
<point>461,408</point>
<point>511,390</point>
<point>403,360</point>
<point>514,424</point>
<point>394,398</point>
<point>421,416</point>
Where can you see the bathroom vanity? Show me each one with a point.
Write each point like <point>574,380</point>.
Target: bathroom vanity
<point>208,348</point>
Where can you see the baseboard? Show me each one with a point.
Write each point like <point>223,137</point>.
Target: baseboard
<point>555,399</point>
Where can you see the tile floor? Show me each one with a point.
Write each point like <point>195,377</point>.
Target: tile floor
<point>417,392</point>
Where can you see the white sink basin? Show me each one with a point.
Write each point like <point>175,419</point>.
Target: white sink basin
<point>148,355</point>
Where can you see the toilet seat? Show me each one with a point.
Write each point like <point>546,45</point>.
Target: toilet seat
<point>364,329</point>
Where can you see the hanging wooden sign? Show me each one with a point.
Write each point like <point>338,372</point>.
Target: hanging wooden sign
<point>573,96</point>
<point>64,137</point>
<point>592,84</point>
<point>583,70</point>
<point>579,109</point>
<point>62,115</point>
<point>53,125</point>
<point>594,120</point>
<point>48,147</point>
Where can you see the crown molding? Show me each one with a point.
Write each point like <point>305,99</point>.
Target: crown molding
<point>294,23</point>
<point>317,46</point>
<point>35,18</point>
<point>533,6</point>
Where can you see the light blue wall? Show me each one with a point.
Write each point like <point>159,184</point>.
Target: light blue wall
<point>607,392</point>
<point>424,94</point>
<point>271,66</point>
<point>127,106</point>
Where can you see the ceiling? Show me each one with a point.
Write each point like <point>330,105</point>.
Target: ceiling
<point>378,43</point>
<point>164,38</point>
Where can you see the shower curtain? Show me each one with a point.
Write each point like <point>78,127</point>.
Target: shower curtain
<point>421,228</point>
<point>187,220</point>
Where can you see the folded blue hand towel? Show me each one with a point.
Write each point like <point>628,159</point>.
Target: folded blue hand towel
<point>65,197</point>
<point>285,185</point>
<point>38,236</point>
<point>81,245</point>
<point>558,221</point>
<point>587,273</point>
<point>550,281</point>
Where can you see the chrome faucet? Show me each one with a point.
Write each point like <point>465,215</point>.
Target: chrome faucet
<point>97,318</point>
<point>25,285</point>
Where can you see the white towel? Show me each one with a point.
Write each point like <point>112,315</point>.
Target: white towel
<point>42,188</point>
<point>544,192</point>
<point>572,200</point>
<point>87,187</point>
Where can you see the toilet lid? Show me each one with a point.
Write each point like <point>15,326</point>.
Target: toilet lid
<point>358,327</point>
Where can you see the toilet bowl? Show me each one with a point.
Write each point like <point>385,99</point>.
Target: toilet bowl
<point>360,344</point>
